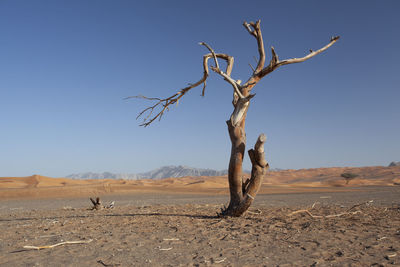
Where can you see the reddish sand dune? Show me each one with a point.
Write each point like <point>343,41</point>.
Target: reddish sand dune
<point>332,176</point>
<point>321,179</point>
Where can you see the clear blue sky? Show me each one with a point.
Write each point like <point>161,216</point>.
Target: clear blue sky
<point>65,67</point>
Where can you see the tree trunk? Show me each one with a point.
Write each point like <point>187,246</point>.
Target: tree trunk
<point>242,193</point>
<point>238,140</point>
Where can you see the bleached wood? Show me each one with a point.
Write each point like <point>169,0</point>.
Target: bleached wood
<point>323,216</point>
<point>255,30</point>
<point>240,109</point>
<point>227,77</point>
<point>276,63</point>
<point>59,244</point>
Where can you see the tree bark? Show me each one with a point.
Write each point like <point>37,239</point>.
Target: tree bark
<point>238,140</point>
<point>242,193</point>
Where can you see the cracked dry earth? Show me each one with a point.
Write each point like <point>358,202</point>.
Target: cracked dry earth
<point>192,235</point>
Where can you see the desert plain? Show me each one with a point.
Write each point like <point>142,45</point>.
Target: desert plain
<point>310,217</point>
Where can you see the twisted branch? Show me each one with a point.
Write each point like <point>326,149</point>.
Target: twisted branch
<point>235,84</point>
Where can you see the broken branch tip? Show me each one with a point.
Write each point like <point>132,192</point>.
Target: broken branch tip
<point>335,38</point>
<point>262,138</point>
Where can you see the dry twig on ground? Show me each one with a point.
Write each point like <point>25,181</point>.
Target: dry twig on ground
<point>322,216</point>
<point>59,244</point>
<point>347,212</point>
<point>105,264</point>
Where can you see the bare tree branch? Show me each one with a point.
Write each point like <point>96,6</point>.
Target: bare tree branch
<point>255,30</point>
<point>212,52</point>
<point>163,104</point>
<point>261,71</point>
<point>240,92</point>
<point>252,68</point>
<point>275,62</point>
<point>235,84</point>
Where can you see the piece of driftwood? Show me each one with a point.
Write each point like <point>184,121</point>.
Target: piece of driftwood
<point>59,244</point>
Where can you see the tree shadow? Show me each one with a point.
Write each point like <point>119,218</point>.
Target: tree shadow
<point>151,214</point>
<point>165,215</point>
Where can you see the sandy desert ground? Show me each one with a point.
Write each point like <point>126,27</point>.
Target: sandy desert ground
<point>300,218</point>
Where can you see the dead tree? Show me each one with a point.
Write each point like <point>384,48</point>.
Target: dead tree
<point>242,193</point>
<point>97,205</point>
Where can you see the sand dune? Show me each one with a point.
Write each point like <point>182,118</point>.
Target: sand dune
<point>331,176</point>
<point>320,179</point>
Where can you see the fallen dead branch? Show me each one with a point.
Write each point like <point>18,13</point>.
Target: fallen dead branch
<point>322,216</point>
<point>105,264</point>
<point>59,244</point>
<point>165,249</point>
<point>315,203</point>
<point>347,212</point>
<point>364,203</point>
<point>257,212</point>
<point>219,261</point>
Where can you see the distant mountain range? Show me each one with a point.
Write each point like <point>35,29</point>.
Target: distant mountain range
<point>160,173</point>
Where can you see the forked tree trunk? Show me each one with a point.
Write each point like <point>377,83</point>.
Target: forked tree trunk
<point>242,193</point>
